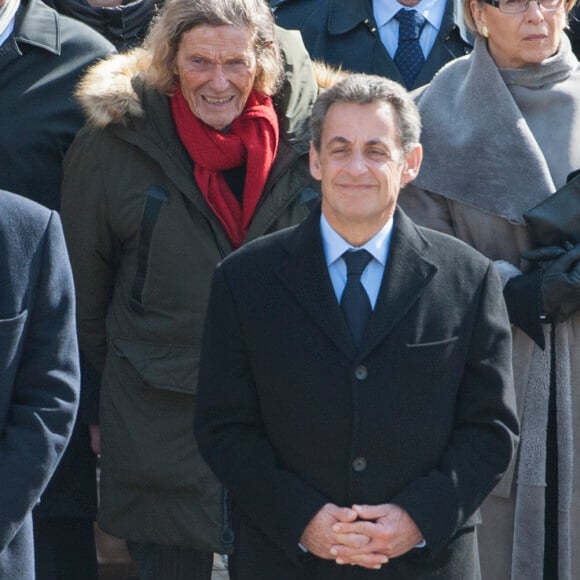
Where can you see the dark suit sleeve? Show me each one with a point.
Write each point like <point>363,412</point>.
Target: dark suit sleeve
<point>44,383</point>
<point>485,430</point>
<point>231,437</point>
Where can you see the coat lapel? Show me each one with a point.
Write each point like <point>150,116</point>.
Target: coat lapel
<point>407,273</point>
<point>305,274</point>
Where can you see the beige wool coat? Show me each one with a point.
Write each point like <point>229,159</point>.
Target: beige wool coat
<point>501,240</point>
<point>496,142</point>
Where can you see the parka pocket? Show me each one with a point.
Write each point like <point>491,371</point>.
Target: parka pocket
<point>147,408</point>
<point>168,367</point>
<point>155,198</point>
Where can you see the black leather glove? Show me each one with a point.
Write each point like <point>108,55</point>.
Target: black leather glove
<point>523,298</point>
<point>560,279</point>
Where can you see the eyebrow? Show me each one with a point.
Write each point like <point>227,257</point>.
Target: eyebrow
<point>344,140</point>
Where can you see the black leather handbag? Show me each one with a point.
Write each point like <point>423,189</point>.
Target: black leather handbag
<point>556,219</point>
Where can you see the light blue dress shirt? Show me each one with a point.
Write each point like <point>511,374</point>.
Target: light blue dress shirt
<point>335,245</point>
<point>4,34</point>
<point>385,10</point>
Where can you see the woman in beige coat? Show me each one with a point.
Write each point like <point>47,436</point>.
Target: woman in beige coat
<point>500,135</point>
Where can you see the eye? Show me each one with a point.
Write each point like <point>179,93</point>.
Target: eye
<point>197,62</point>
<point>378,154</point>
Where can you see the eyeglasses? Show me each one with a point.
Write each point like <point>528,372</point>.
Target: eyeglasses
<point>516,6</point>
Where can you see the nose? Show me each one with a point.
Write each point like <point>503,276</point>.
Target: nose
<point>357,164</point>
<point>219,81</point>
<point>534,11</point>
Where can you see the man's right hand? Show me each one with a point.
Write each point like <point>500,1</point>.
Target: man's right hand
<point>318,536</point>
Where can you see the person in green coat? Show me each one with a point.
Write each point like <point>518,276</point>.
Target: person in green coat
<point>195,144</point>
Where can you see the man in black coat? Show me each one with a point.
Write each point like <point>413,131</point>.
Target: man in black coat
<point>573,29</point>
<point>39,369</point>
<point>124,23</point>
<point>42,57</point>
<point>356,36</point>
<point>370,442</point>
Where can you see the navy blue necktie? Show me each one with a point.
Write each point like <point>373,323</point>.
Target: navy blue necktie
<point>355,302</point>
<point>409,56</point>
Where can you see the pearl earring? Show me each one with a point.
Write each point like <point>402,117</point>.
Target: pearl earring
<point>484,31</point>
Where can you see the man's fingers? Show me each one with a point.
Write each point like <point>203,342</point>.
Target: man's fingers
<point>356,527</point>
<point>342,514</point>
<point>354,541</point>
<point>372,561</point>
<point>369,512</point>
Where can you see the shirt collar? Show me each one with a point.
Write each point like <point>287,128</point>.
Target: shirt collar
<point>7,31</point>
<point>7,18</point>
<point>335,245</point>
<point>432,10</point>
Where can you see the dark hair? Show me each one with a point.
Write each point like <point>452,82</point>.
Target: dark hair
<point>364,89</point>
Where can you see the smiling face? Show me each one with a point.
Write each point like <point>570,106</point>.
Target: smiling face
<point>362,166</point>
<point>216,67</point>
<point>518,40</point>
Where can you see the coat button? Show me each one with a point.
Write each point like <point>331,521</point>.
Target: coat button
<point>359,464</point>
<point>361,373</point>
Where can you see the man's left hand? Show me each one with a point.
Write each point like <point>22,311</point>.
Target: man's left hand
<point>391,530</point>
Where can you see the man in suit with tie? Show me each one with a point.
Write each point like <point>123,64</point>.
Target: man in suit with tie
<point>355,393</point>
<point>405,40</point>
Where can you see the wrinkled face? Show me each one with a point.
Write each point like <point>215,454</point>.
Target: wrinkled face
<point>517,40</point>
<point>216,67</point>
<point>361,166</point>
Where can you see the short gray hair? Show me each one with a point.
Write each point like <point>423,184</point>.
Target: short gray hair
<point>364,89</point>
<point>179,16</point>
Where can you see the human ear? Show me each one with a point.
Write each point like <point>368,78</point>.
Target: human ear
<point>413,161</point>
<point>478,15</point>
<point>315,163</point>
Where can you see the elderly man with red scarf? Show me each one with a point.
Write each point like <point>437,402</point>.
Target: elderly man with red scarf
<point>195,144</point>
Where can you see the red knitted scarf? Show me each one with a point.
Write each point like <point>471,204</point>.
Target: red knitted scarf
<point>252,139</point>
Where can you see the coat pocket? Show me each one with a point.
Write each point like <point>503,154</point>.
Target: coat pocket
<point>11,340</point>
<point>168,367</point>
<point>147,408</point>
<point>11,334</point>
<point>433,358</point>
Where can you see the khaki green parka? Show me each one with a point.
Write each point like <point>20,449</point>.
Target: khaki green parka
<point>144,244</point>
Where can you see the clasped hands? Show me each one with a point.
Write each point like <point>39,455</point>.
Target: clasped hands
<point>364,535</point>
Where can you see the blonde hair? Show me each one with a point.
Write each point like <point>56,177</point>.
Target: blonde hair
<point>179,16</point>
<point>470,23</point>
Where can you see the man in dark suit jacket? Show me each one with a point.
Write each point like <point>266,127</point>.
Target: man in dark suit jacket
<point>372,450</point>
<point>353,34</point>
<point>39,370</point>
<point>42,57</point>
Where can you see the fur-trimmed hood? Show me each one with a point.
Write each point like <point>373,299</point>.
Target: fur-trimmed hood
<point>108,95</point>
